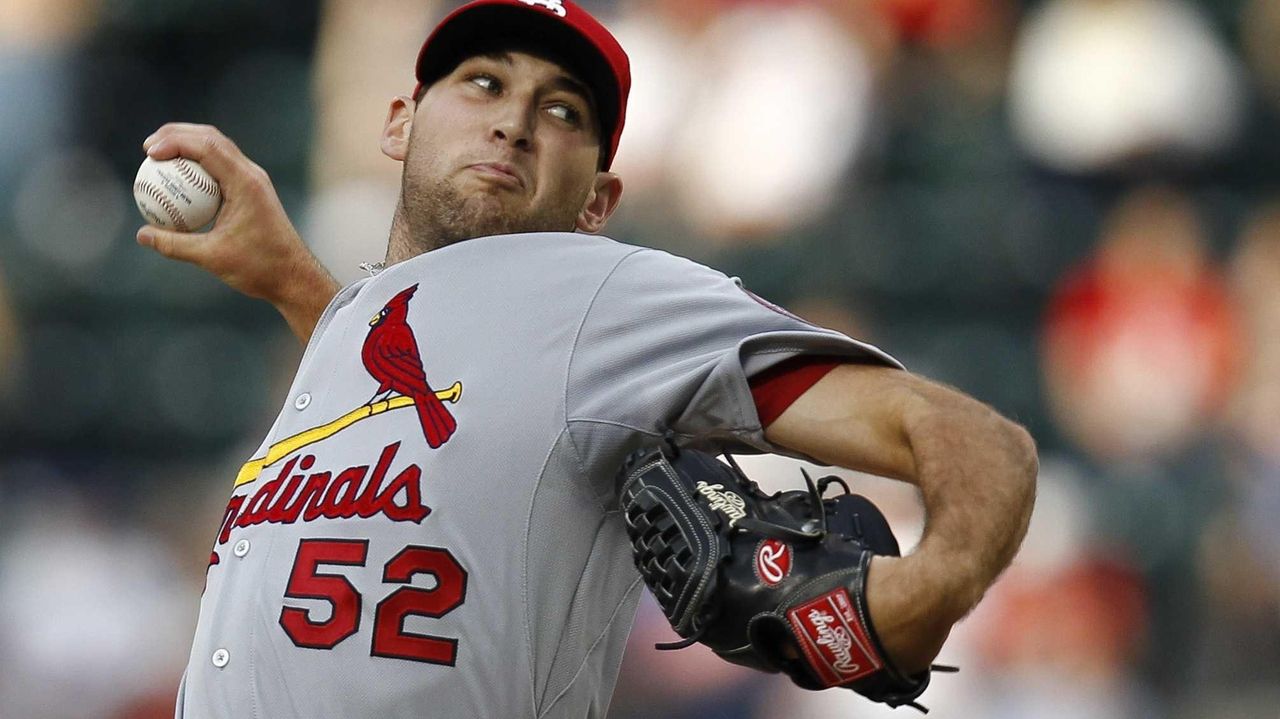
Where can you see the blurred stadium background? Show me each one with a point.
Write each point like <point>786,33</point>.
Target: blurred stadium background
<point>1068,208</point>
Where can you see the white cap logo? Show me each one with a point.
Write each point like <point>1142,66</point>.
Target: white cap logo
<point>552,5</point>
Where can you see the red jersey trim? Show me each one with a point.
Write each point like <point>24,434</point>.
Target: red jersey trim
<point>777,387</point>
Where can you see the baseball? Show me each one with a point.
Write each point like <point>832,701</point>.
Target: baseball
<point>176,194</point>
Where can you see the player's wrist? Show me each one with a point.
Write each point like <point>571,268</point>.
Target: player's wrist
<point>302,298</point>
<point>302,282</point>
<point>911,614</point>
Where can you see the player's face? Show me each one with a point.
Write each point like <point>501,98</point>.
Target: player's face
<point>504,143</point>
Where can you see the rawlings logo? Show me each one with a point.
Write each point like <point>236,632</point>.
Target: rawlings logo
<point>773,561</point>
<point>724,501</point>
<point>552,5</point>
<point>834,638</point>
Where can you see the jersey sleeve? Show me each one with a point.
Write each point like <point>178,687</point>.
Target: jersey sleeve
<point>775,389</point>
<point>668,344</point>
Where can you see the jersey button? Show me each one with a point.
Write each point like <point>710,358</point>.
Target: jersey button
<point>241,548</point>
<point>302,401</point>
<point>221,657</point>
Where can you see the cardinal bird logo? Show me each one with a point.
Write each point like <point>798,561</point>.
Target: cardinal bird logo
<point>390,354</point>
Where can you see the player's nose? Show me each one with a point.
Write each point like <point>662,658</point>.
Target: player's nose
<point>513,126</point>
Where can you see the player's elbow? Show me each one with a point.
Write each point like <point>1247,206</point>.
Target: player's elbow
<point>972,427</point>
<point>1022,461</point>
<point>1004,447</point>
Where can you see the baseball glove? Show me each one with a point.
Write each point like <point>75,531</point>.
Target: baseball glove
<point>775,583</point>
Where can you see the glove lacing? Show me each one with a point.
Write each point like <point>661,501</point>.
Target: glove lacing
<point>768,529</point>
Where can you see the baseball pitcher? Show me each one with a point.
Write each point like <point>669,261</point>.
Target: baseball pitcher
<point>493,444</point>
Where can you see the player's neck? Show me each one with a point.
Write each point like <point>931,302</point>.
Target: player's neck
<point>399,247</point>
<point>404,243</point>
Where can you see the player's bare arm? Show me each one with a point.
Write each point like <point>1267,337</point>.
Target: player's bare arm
<point>253,247</point>
<point>976,471</point>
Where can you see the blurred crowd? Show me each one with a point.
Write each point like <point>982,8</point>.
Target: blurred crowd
<point>1067,208</point>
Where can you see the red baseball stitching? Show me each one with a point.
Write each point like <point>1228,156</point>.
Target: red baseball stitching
<point>190,175</point>
<point>171,209</point>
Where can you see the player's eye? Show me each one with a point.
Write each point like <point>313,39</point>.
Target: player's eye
<point>486,82</point>
<point>566,112</point>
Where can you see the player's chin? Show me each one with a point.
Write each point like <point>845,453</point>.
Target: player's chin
<point>492,204</point>
<point>488,214</point>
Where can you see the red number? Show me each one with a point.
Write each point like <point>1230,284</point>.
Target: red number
<point>307,583</point>
<point>389,637</point>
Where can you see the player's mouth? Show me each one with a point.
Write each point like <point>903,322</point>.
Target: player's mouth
<point>499,172</point>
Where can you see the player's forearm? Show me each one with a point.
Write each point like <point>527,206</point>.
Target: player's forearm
<point>976,472</point>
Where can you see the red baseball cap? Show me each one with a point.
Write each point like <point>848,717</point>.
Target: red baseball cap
<point>566,32</point>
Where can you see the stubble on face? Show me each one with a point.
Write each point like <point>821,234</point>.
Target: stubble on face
<point>437,212</point>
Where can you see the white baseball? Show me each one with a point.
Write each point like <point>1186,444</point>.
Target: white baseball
<point>176,194</point>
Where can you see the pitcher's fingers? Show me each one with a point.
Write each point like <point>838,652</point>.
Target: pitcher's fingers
<point>215,152</point>
<point>185,246</point>
<point>171,127</point>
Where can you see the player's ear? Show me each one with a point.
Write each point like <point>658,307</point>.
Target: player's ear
<point>606,192</point>
<point>395,133</point>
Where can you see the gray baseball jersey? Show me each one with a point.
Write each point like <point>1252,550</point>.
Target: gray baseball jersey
<point>429,529</point>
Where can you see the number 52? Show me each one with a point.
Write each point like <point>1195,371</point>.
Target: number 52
<point>389,636</point>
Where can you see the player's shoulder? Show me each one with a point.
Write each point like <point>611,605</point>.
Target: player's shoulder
<point>641,263</point>
<point>567,248</point>
<point>631,257</point>
<point>581,259</point>
<point>650,280</point>
<point>584,252</point>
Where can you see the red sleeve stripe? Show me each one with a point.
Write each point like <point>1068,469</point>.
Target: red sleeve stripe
<point>777,387</point>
